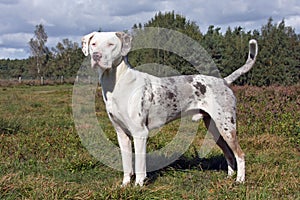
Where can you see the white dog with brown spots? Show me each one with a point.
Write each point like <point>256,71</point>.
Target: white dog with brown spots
<point>134,115</point>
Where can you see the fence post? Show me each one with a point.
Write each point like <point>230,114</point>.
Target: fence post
<point>42,80</point>
<point>20,79</point>
<point>62,79</point>
<point>77,79</point>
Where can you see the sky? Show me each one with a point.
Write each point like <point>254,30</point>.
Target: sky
<point>74,18</point>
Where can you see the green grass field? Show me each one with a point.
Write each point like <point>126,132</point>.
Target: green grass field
<point>41,155</point>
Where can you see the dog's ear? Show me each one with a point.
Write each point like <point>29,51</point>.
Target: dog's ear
<point>126,42</point>
<point>85,42</point>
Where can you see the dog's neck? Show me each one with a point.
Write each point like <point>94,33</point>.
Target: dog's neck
<point>110,77</point>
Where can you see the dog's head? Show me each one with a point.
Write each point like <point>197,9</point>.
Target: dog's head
<point>106,48</point>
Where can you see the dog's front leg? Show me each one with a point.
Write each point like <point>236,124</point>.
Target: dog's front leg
<point>140,159</point>
<point>126,152</point>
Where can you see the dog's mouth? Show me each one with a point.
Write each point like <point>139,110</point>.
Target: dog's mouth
<point>101,60</point>
<point>94,64</point>
<point>100,64</point>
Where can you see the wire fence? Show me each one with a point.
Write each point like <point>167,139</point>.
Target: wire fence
<point>44,81</point>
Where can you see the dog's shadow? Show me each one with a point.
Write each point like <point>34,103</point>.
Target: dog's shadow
<point>215,162</point>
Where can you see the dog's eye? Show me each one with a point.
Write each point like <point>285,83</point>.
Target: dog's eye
<point>94,44</point>
<point>110,44</point>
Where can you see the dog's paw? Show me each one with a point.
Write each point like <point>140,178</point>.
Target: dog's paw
<point>123,185</point>
<point>140,184</point>
<point>140,180</point>
<point>240,179</point>
<point>230,171</point>
<point>126,181</point>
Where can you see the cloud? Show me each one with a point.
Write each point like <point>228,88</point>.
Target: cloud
<point>15,39</point>
<point>293,21</point>
<point>13,53</point>
<point>130,7</point>
<point>8,2</point>
<point>74,18</point>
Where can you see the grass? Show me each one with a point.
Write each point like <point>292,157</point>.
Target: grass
<point>41,155</point>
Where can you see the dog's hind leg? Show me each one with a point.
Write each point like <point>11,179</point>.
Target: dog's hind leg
<point>227,130</point>
<point>239,155</point>
<point>229,156</point>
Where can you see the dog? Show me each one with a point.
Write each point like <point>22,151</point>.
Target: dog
<point>132,99</point>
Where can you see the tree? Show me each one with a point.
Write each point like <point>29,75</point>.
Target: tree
<point>38,48</point>
<point>67,57</point>
<point>168,20</point>
<point>213,43</point>
<point>279,55</point>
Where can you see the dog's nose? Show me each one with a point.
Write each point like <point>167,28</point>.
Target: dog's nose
<point>97,56</point>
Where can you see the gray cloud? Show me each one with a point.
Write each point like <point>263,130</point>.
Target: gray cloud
<point>74,18</point>
<point>8,2</point>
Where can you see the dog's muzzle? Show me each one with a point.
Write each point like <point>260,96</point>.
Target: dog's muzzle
<point>97,56</point>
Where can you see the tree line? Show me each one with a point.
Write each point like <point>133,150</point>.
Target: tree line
<point>278,60</point>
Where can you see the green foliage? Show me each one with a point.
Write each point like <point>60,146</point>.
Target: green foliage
<point>10,127</point>
<point>169,21</point>
<point>67,58</point>
<point>280,54</point>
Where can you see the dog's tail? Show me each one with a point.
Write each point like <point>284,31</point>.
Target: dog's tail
<point>253,50</point>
